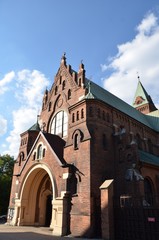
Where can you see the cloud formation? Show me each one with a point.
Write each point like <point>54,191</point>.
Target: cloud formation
<point>29,89</point>
<point>23,119</point>
<point>5,82</point>
<point>3,125</point>
<point>140,56</point>
<point>30,85</point>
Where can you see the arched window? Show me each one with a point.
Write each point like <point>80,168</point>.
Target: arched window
<point>76,140</point>
<point>44,152</point>
<point>59,124</point>
<point>39,153</point>
<point>69,94</point>
<point>148,192</point>
<point>56,89</point>
<point>49,109</point>
<point>77,115</point>
<point>82,113</point>
<point>21,158</point>
<point>73,117</point>
<point>34,156</point>
<point>60,80</point>
<point>79,82</point>
<point>63,85</point>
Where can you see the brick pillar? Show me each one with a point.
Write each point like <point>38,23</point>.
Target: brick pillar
<point>107,212</point>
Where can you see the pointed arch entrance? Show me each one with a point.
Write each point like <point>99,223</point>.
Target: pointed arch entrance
<point>37,194</point>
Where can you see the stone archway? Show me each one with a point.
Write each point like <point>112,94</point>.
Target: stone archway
<point>37,187</point>
<point>37,196</point>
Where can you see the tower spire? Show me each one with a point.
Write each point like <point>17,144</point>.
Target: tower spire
<point>142,100</point>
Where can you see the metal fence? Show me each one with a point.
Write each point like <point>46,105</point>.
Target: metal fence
<point>136,219</point>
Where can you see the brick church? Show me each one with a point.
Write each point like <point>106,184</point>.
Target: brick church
<point>88,153</point>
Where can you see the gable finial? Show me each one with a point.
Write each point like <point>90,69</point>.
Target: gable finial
<point>138,76</point>
<point>81,66</point>
<point>63,59</point>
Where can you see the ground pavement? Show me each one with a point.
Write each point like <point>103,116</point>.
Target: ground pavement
<point>29,233</point>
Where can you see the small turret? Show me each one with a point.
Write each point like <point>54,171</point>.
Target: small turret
<point>81,75</point>
<point>63,59</point>
<point>45,98</point>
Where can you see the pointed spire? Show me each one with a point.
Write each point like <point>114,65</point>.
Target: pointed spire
<point>142,100</point>
<point>89,94</point>
<point>141,96</point>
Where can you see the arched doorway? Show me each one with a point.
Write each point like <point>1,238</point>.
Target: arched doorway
<point>36,198</point>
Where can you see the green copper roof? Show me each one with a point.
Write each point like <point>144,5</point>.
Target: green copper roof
<point>148,158</point>
<point>35,127</point>
<point>140,91</point>
<point>107,97</point>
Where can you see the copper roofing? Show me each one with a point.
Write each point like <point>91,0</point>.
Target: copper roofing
<point>35,127</point>
<point>97,92</point>
<point>148,158</point>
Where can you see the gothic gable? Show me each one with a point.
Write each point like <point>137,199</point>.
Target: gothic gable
<point>65,83</point>
<point>44,145</point>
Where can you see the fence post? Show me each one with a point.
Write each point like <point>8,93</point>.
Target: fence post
<point>107,213</point>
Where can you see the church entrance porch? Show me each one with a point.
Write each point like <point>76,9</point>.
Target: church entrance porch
<point>38,203</point>
<point>34,205</point>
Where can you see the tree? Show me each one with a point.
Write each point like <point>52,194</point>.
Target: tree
<point>6,172</point>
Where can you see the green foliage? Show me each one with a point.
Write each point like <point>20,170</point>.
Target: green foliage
<point>6,171</point>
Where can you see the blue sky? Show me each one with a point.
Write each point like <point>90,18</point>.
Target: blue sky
<point>115,39</point>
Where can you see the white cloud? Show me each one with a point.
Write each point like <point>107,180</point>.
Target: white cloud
<point>29,89</point>
<point>5,81</point>
<point>147,24</point>
<point>23,119</point>
<point>141,55</point>
<point>3,125</point>
<point>31,84</point>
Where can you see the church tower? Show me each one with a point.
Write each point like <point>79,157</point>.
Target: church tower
<point>142,101</point>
